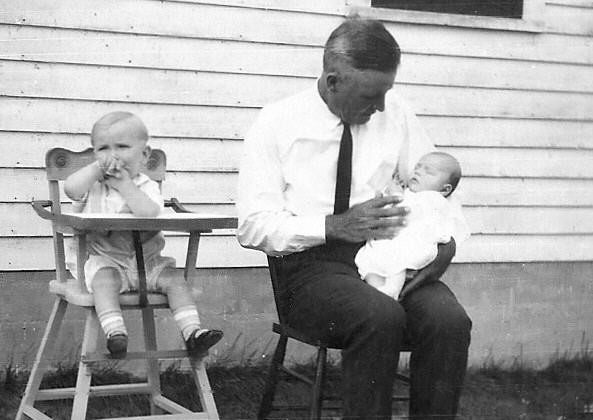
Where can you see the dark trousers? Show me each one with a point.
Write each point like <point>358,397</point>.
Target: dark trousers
<point>322,295</point>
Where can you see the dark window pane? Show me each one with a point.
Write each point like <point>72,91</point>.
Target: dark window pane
<point>498,8</point>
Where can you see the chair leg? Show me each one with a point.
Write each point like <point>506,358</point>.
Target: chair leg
<point>317,397</point>
<point>83,379</point>
<point>41,362</point>
<point>204,389</point>
<point>277,361</point>
<point>152,365</point>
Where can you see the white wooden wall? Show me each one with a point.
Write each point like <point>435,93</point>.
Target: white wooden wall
<point>515,106</point>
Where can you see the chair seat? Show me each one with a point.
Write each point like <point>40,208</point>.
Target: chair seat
<point>297,335</point>
<point>72,292</point>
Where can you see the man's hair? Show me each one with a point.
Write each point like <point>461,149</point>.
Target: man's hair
<point>113,118</point>
<point>454,168</point>
<point>364,44</point>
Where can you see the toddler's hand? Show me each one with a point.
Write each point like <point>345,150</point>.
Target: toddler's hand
<point>107,166</point>
<point>117,175</point>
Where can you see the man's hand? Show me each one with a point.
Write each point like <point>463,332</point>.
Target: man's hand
<point>378,218</point>
<point>433,271</point>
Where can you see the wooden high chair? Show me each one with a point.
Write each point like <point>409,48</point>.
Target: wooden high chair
<point>59,164</point>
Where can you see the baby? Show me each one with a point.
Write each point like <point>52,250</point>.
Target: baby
<point>432,219</point>
<point>113,183</point>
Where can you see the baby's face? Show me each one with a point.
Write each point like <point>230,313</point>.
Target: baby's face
<point>125,143</point>
<point>431,173</point>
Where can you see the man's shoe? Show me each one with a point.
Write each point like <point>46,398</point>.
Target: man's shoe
<point>117,345</point>
<point>198,343</point>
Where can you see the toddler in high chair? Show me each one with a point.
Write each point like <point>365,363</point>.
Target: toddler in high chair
<point>114,183</point>
<point>433,218</point>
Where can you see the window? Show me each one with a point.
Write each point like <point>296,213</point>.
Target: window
<point>496,8</point>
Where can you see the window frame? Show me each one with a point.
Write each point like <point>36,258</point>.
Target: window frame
<point>532,20</point>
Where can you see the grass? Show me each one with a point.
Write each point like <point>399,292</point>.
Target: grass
<point>563,390</point>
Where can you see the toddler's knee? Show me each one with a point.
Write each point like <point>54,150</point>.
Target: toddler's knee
<point>174,284</point>
<point>106,278</point>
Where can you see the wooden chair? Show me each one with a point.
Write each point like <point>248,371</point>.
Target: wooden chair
<point>316,403</point>
<point>59,164</point>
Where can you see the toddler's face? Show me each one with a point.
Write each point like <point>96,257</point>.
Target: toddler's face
<point>123,143</point>
<point>431,173</point>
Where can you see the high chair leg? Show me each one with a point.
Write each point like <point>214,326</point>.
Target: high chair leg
<point>41,362</point>
<point>83,380</point>
<point>152,365</point>
<point>203,387</point>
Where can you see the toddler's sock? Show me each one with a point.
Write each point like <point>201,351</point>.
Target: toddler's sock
<point>187,319</point>
<point>112,322</point>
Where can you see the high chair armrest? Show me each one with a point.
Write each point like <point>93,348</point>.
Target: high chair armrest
<point>39,207</point>
<point>176,205</point>
<point>185,221</point>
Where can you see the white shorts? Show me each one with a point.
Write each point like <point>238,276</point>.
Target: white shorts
<point>128,272</point>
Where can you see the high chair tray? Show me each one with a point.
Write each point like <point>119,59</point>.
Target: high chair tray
<point>184,222</point>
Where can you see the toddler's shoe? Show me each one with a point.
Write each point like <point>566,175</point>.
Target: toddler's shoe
<point>117,345</point>
<point>200,341</point>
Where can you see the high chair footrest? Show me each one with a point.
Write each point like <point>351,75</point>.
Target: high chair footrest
<point>95,391</point>
<point>34,413</point>
<point>132,355</point>
<point>192,416</point>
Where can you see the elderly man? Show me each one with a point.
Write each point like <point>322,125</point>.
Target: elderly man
<point>305,197</point>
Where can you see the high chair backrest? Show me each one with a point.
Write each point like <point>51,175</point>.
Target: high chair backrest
<point>60,163</point>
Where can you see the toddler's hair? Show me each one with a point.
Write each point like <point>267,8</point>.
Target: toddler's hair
<point>109,120</point>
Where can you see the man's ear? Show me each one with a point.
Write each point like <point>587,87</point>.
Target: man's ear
<point>331,81</point>
<point>446,190</point>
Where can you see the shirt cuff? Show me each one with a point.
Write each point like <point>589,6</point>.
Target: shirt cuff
<point>309,230</point>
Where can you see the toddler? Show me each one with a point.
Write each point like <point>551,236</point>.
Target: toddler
<point>113,183</point>
<point>433,219</point>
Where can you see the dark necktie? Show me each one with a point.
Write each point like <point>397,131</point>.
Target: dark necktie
<point>344,172</point>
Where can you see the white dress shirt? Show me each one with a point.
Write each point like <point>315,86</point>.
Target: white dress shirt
<point>288,171</point>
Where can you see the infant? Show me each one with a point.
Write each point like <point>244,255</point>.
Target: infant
<point>434,218</point>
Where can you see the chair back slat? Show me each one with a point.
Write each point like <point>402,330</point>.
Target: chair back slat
<point>61,163</point>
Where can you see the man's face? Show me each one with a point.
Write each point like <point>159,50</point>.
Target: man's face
<point>355,95</point>
<point>431,173</point>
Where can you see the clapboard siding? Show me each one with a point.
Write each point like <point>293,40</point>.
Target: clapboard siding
<point>302,28</point>
<point>19,219</point>
<point>571,16</point>
<point>515,107</point>
<point>21,185</point>
<point>252,91</point>
<point>492,248</point>
<point>184,154</point>
<point>56,45</point>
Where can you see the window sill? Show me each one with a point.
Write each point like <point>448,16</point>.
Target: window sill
<point>447,19</point>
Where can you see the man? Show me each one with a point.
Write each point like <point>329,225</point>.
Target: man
<point>293,203</point>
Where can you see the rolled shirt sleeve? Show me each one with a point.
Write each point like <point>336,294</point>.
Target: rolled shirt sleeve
<point>264,221</point>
